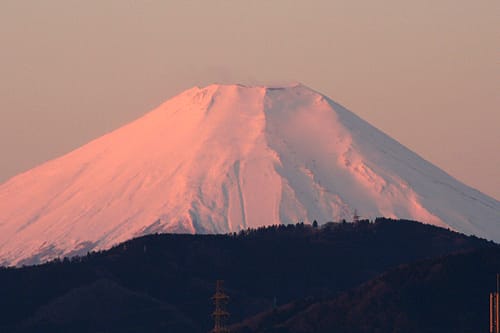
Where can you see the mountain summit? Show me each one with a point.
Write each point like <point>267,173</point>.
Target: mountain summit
<point>224,158</point>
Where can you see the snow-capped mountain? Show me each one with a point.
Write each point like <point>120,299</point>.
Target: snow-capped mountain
<point>224,158</point>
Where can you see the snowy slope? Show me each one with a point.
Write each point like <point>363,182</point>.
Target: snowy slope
<point>224,158</point>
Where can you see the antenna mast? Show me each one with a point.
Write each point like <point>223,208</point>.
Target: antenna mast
<point>495,309</point>
<point>356,217</point>
<point>220,314</point>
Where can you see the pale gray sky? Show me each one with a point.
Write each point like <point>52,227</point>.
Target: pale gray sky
<point>425,72</point>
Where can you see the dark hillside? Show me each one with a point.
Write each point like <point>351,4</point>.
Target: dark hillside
<point>448,294</point>
<point>164,282</point>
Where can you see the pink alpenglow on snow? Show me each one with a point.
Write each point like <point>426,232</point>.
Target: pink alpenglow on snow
<point>224,158</point>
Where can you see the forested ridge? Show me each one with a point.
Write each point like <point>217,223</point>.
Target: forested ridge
<point>164,282</point>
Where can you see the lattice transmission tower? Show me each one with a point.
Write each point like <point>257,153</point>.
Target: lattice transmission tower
<point>220,314</point>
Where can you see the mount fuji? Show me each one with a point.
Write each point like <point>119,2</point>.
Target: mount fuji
<point>225,158</point>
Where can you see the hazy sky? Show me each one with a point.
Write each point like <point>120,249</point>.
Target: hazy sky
<point>425,72</point>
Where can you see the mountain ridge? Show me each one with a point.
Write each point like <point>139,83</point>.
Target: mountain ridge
<point>159,282</point>
<point>224,158</point>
